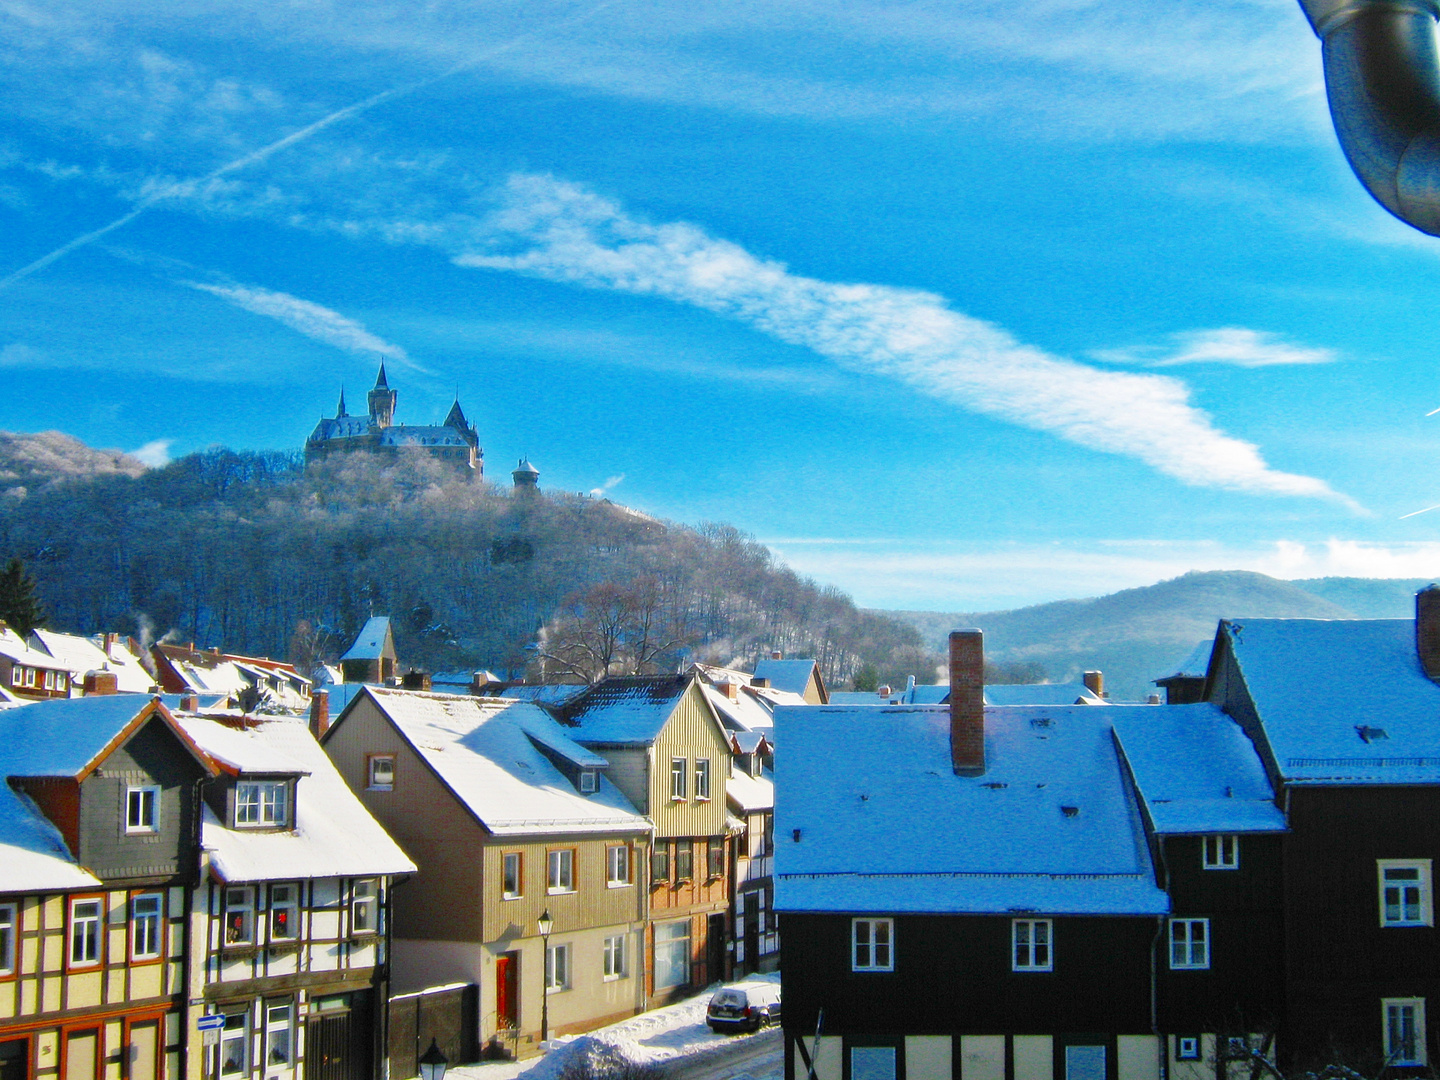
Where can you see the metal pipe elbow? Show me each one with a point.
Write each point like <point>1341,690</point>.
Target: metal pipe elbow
<point>1382,77</point>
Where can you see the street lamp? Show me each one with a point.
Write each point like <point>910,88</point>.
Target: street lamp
<point>545,925</point>
<point>433,1062</point>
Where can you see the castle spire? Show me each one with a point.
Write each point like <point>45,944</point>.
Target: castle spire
<point>339,413</point>
<point>380,383</point>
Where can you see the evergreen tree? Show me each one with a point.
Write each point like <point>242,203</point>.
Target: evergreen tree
<point>18,605</point>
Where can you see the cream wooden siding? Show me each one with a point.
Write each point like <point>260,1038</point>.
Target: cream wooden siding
<point>593,903</point>
<point>630,772</point>
<point>444,900</point>
<point>690,733</point>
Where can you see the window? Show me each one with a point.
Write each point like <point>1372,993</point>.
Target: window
<point>7,939</point>
<point>235,1044</point>
<point>561,876</point>
<point>510,880</point>
<point>1187,1047</point>
<point>54,680</point>
<point>702,779</point>
<point>84,932</point>
<point>142,806</point>
<point>145,925</point>
<point>557,968</point>
<point>715,857</point>
<point>284,912</point>
<point>617,866</point>
<point>615,966</point>
<point>279,1035</point>
<point>660,863</point>
<point>364,907</point>
<point>382,772</point>
<point>872,944</point>
<point>672,954</point>
<point>1404,1031</point>
<point>262,803</point>
<point>1189,943</point>
<point>1030,945</point>
<point>684,861</point>
<point>1405,892</point>
<point>677,778</point>
<point>587,781</point>
<point>1221,853</point>
<point>239,916</point>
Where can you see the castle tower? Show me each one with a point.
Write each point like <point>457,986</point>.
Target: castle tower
<point>340,413</point>
<point>382,401</point>
<point>526,476</point>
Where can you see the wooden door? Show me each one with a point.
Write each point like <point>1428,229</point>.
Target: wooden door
<point>327,1046</point>
<point>144,1051</point>
<point>507,994</point>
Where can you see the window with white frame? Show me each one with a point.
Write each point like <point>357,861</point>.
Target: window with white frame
<point>1404,1031</point>
<point>382,772</point>
<point>510,887</point>
<point>1189,943</point>
<point>364,907</point>
<point>262,803</point>
<point>615,966</point>
<point>239,915</point>
<point>702,779</point>
<point>279,1035</point>
<point>1405,898</point>
<point>8,930</point>
<point>146,915</point>
<point>235,1044</point>
<point>557,968</point>
<point>617,865</point>
<point>284,912</point>
<point>1187,1047</point>
<point>588,781</point>
<point>142,809</point>
<point>560,875</point>
<point>84,932</point>
<point>1221,852</point>
<point>54,680</point>
<point>872,944</point>
<point>1030,941</point>
<point>677,778</point>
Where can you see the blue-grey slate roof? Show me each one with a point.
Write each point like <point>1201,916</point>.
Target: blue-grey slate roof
<point>623,711</point>
<point>370,642</point>
<point>792,675</point>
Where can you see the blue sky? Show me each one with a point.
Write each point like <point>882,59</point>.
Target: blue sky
<point>956,309</point>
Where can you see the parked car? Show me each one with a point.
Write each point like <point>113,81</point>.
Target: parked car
<point>747,1006</point>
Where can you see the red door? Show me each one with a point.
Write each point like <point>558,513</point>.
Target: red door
<point>507,998</point>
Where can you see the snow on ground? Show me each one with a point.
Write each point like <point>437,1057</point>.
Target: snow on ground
<point>653,1037</point>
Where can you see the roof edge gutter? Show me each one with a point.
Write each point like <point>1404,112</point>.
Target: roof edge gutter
<point>1382,77</point>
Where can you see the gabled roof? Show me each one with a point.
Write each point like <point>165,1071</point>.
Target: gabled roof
<point>791,675</point>
<point>1340,701</point>
<point>542,693</point>
<point>886,825</point>
<point>1197,771</point>
<point>750,794</point>
<point>70,737</point>
<point>456,417</point>
<point>373,642</point>
<point>334,835</point>
<point>742,713</point>
<point>627,711</point>
<point>82,655</point>
<point>485,751</point>
<point>1194,666</point>
<point>16,648</point>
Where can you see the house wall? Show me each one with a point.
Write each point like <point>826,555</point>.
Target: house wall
<point>593,902</point>
<point>691,733</point>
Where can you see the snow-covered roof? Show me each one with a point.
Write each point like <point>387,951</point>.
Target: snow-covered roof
<point>750,794</point>
<point>886,825</point>
<point>626,711</point>
<point>1072,693</point>
<point>65,736</point>
<point>742,713</point>
<point>484,750</point>
<point>543,693</point>
<point>81,655</point>
<point>1195,665</point>
<point>421,435</point>
<point>1341,701</point>
<point>1197,771</point>
<point>370,642</point>
<point>790,675</point>
<point>334,835</point>
<point>340,427</point>
<point>747,742</point>
<point>32,851</point>
<point>16,648</point>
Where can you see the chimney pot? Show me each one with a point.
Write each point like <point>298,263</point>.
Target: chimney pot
<point>777,655</point>
<point>967,702</point>
<point>102,682</point>
<point>1153,699</point>
<point>1427,630</point>
<point>416,680</point>
<point>319,712</point>
<point>1095,683</point>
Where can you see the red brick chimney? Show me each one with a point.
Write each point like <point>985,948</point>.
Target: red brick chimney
<point>1095,682</point>
<point>101,682</point>
<point>967,702</point>
<point>189,702</point>
<point>319,712</point>
<point>1427,630</point>
<point>777,655</point>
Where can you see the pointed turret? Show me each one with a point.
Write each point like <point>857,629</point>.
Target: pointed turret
<point>526,476</point>
<point>380,383</point>
<point>382,401</point>
<point>456,418</point>
<point>340,412</point>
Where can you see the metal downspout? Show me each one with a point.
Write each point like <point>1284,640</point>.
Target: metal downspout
<point>1382,77</point>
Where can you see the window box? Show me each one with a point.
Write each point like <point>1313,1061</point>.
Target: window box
<point>872,944</point>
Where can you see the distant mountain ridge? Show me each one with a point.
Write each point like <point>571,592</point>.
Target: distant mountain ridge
<point>1137,635</point>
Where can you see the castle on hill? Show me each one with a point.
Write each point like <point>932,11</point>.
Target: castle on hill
<point>454,440</point>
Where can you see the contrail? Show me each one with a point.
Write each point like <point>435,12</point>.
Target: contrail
<point>1417,513</point>
<point>188,187</point>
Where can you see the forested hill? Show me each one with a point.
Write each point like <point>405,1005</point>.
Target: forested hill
<point>252,553</point>
<point>1137,635</point>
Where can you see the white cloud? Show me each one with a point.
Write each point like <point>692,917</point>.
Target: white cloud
<point>308,318</point>
<point>1228,345</point>
<point>549,229</point>
<point>155,453</point>
<point>605,488</point>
